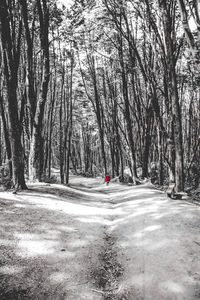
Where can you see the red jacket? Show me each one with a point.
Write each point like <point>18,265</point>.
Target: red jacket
<point>107,178</point>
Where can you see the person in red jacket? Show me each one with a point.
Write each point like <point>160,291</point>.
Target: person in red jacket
<point>107,178</point>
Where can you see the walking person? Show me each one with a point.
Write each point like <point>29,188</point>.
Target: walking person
<point>107,179</point>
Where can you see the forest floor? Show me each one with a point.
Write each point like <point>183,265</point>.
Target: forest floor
<point>96,242</point>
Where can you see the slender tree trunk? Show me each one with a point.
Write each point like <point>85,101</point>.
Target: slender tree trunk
<point>147,143</point>
<point>68,152</point>
<point>50,130</point>
<point>112,153</point>
<point>82,154</point>
<point>160,157</point>
<point>179,167</point>
<point>70,118</point>
<point>127,115</point>
<point>146,155</point>
<point>99,119</point>
<point>61,144</point>
<point>36,145</point>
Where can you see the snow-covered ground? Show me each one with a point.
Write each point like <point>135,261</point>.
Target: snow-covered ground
<point>92,241</point>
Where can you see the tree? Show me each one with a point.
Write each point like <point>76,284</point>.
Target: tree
<point>10,47</point>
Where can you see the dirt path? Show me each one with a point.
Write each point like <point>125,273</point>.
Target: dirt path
<point>93,242</point>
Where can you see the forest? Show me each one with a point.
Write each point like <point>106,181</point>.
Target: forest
<point>100,86</point>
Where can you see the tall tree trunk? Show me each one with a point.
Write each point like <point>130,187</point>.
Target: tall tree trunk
<point>178,141</point>
<point>70,118</point>
<point>11,58</point>
<point>82,147</point>
<point>50,130</point>
<point>127,115</point>
<point>99,116</point>
<point>176,113</point>
<point>61,148</point>
<point>36,145</point>
<point>160,157</point>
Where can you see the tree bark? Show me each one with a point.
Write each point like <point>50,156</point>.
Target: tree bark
<point>70,117</point>
<point>36,144</point>
<point>11,58</point>
<point>127,115</point>
<point>6,135</point>
<point>176,112</point>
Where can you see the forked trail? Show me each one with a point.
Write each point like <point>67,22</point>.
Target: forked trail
<point>89,241</point>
